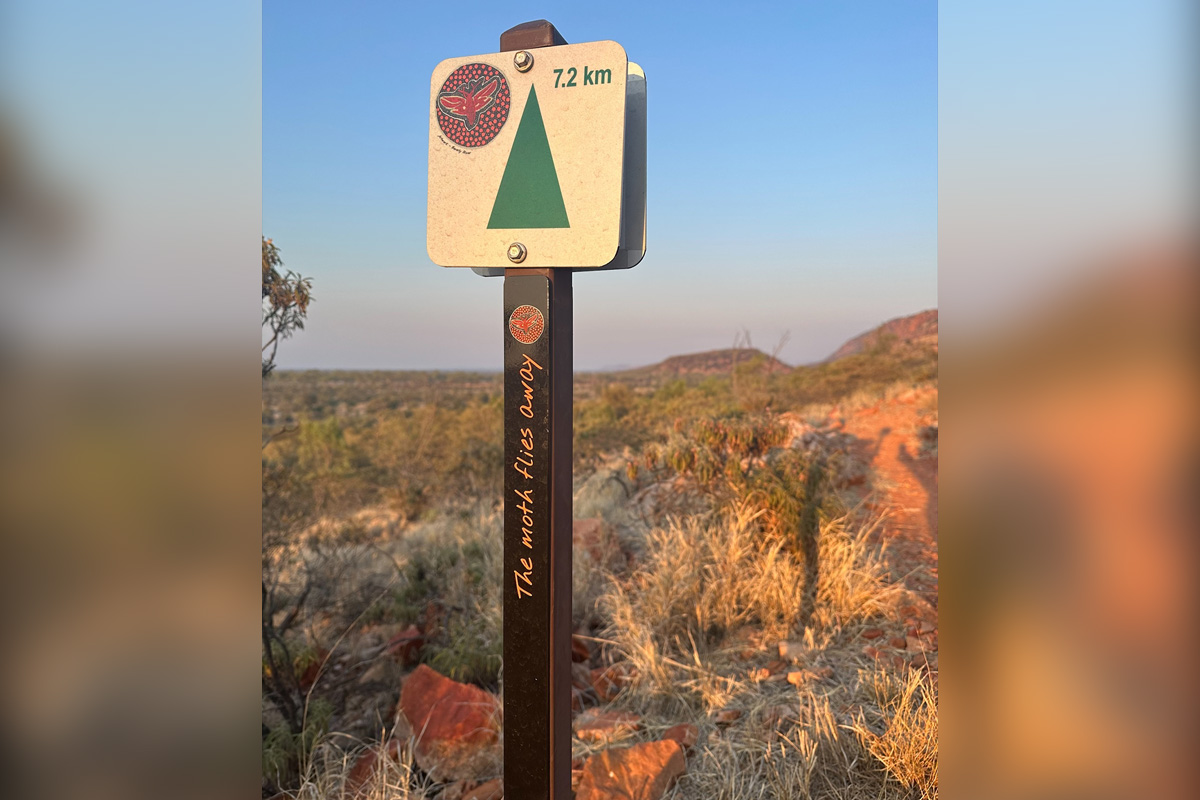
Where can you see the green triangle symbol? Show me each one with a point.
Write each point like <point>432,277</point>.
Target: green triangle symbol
<point>529,195</point>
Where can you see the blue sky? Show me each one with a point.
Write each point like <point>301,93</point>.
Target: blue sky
<point>792,154</point>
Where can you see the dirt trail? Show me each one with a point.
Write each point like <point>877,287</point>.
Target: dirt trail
<point>903,483</point>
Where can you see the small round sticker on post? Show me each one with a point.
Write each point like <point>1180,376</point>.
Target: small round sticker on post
<point>473,104</point>
<point>526,324</point>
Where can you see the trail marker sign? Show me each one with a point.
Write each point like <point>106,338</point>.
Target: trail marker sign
<point>537,169</point>
<point>542,148</point>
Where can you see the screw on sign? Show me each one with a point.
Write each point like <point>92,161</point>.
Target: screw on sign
<point>473,104</point>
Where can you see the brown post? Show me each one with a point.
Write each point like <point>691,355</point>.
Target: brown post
<point>538,376</point>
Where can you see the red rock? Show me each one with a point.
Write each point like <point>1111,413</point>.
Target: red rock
<point>595,725</point>
<point>898,642</point>
<point>456,790</point>
<point>580,651</point>
<point>456,727</point>
<point>926,627</point>
<point>406,646</point>
<point>776,666</point>
<point>492,790</point>
<point>685,734</point>
<point>872,633</point>
<point>727,715</point>
<point>806,675</point>
<point>791,650</point>
<point>367,767</point>
<point>609,681</point>
<point>870,652</point>
<point>642,772</point>
<point>914,644</point>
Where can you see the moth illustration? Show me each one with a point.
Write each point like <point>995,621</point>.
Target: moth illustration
<point>527,323</point>
<point>470,100</point>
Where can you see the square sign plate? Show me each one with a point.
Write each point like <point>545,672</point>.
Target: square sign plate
<point>532,157</point>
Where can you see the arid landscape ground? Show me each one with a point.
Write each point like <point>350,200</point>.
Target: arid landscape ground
<point>756,579</point>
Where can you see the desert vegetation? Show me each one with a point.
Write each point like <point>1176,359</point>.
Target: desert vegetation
<point>736,589</point>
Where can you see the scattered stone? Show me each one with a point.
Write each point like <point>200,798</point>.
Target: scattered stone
<point>898,642</point>
<point>801,677</point>
<point>492,790</point>
<point>456,726</point>
<point>642,772</point>
<point>727,716</point>
<point>609,681</point>
<point>914,644</point>
<point>872,633</point>
<point>456,790</point>
<point>580,651</point>
<point>791,650</point>
<point>870,652</point>
<point>777,666</point>
<point>406,646</point>
<point>687,735</point>
<point>928,661</point>
<point>926,627</point>
<point>595,725</point>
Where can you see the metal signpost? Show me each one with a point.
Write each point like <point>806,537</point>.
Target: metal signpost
<point>537,168</point>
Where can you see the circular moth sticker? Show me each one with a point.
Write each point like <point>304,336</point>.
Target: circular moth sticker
<point>526,324</point>
<point>472,105</point>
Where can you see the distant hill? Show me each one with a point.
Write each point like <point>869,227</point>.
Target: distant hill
<point>713,362</point>
<point>919,328</point>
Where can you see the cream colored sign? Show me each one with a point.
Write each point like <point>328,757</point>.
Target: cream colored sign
<point>531,158</point>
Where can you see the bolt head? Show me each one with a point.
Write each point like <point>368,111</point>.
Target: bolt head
<point>523,60</point>
<point>516,252</point>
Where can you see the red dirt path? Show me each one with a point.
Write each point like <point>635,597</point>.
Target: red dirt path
<point>903,483</point>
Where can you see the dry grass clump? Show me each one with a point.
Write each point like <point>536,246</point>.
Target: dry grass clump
<point>813,756</point>
<point>899,727</point>
<point>854,583</point>
<point>704,578</point>
<point>329,775</point>
<point>701,578</point>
